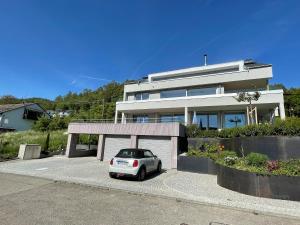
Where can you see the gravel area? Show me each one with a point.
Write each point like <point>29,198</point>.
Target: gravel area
<point>200,188</point>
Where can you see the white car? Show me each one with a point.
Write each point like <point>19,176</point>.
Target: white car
<point>134,162</point>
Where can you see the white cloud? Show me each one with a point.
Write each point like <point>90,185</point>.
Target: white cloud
<point>94,78</point>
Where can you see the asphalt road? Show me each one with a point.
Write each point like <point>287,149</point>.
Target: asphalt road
<point>32,201</point>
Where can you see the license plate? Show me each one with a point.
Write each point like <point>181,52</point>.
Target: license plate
<point>122,162</point>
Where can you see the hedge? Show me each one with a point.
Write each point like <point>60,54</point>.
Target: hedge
<point>288,127</point>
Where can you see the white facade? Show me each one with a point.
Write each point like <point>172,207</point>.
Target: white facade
<point>202,95</point>
<point>15,117</point>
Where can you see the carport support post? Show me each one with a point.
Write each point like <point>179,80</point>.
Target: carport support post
<point>71,145</point>
<point>100,149</point>
<point>186,116</point>
<point>174,143</point>
<point>123,118</point>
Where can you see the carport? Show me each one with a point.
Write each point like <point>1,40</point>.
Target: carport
<point>161,138</point>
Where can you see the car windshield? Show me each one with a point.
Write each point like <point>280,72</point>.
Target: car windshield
<point>130,153</point>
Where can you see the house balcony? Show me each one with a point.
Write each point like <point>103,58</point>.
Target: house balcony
<point>184,109</point>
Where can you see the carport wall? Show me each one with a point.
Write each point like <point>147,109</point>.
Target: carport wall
<point>161,138</point>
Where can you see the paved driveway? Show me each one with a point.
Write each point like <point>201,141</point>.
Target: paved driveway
<point>200,188</point>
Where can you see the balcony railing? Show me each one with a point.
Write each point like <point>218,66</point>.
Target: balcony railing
<point>129,120</point>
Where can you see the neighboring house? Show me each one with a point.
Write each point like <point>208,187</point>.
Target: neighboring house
<point>65,113</point>
<point>202,95</point>
<point>60,113</point>
<point>19,117</point>
<point>54,113</point>
<point>51,113</point>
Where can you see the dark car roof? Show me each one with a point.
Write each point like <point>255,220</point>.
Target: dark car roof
<point>135,149</point>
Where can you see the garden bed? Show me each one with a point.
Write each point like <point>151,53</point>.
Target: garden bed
<point>275,147</point>
<point>268,186</point>
<point>279,140</point>
<point>253,174</point>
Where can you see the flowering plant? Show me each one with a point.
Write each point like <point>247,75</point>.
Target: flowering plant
<point>230,160</point>
<point>272,165</point>
<point>221,147</point>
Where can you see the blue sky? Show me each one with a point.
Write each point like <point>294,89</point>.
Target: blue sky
<point>48,48</point>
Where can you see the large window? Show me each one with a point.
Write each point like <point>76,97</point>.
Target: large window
<point>234,120</point>
<point>173,93</point>
<point>141,96</point>
<point>206,121</point>
<point>141,119</point>
<point>188,92</point>
<point>172,118</point>
<point>201,91</point>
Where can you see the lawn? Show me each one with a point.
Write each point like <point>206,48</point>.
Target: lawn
<point>10,142</point>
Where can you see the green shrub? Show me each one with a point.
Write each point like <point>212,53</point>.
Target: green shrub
<point>211,147</point>
<point>289,168</point>
<point>254,162</point>
<point>56,123</point>
<point>256,159</point>
<point>194,131</point>
<point>288,127</point>
<point>88,139</point>
<point>227,153</point>
<point>194,152</point>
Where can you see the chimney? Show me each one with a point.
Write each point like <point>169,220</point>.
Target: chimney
<point>205,59</point>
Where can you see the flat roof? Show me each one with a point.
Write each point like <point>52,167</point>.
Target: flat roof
<point>240,64</point>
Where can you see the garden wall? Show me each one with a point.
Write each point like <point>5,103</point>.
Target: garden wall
<point>275,147</point>
<point>196,165</point>
<point>278,187</point>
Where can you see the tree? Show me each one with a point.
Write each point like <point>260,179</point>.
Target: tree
<point>42,124</point>
<point>292,101</point>
<point>249,98</point>
<point>277,86</point>
<point>8,99</point>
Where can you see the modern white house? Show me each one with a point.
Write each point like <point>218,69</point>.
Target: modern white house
<point>154,109</point>
<point>204,95</point>
<point>19,117</point>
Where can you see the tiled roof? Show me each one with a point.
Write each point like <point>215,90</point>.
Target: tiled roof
<point>8,107</point>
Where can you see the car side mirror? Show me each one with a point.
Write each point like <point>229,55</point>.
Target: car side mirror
<point>155,156</point>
